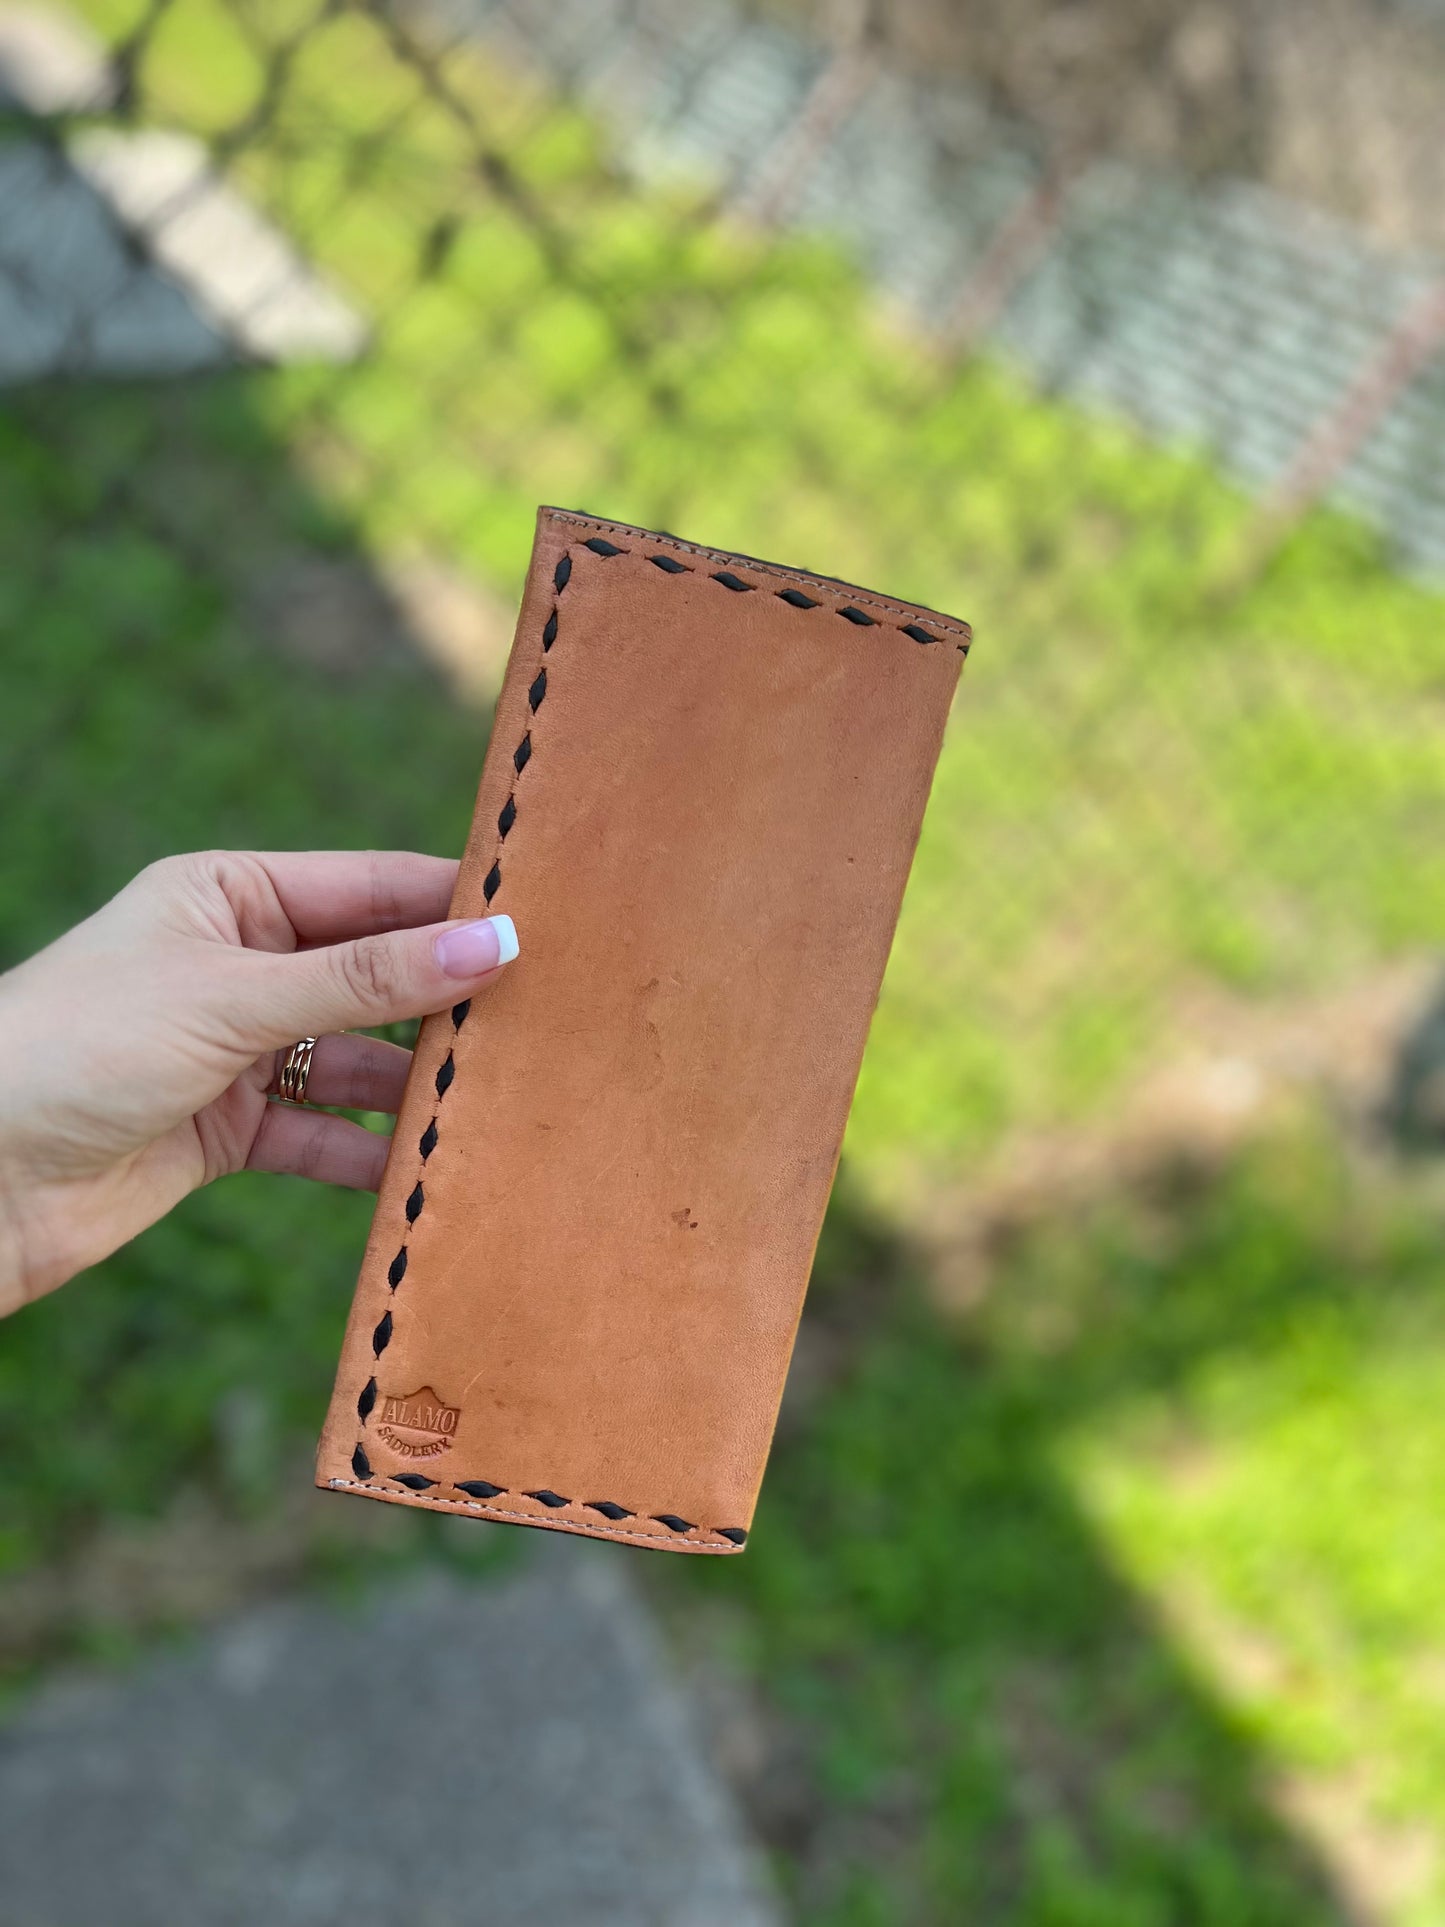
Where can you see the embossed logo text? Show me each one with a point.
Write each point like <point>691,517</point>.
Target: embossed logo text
<point>417,1426</point>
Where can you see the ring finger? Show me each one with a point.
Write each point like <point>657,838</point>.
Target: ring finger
<point>352,1072</point>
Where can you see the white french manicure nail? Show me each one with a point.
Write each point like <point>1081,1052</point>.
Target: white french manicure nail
<point>469,949</point>
<point>507,945</point>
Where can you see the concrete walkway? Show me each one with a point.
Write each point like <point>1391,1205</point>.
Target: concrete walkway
<point>511,1753</point>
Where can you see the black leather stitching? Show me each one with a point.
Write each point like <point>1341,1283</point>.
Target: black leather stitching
<point>483,1489</point>
<point>416,1199</point>
<point>829,585</point>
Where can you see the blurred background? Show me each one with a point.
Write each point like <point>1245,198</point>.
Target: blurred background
<point>1099,1573</point>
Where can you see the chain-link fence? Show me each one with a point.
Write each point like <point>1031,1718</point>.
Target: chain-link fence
<point>1059,317</point>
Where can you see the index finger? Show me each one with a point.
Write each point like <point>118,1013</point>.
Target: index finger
<point>330,895</point>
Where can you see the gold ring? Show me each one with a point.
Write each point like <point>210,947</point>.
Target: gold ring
<point>295,1071</point>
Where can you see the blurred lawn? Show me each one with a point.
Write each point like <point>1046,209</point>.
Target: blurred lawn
<point>1076,1601</point>
<point>1250,788</point>
<point>992,1565</point>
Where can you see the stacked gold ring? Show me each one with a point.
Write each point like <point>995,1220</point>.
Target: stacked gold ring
<point>295,1070</point>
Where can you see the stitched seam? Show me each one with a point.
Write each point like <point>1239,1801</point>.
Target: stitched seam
<point>415,1203</point>
<point>842,600</point>
<point>837,590</point>
<point>446,1073</point>
<point>528,1518</point>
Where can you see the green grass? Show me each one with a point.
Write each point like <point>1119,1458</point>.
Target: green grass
<point>1249,787</point>
<point>992,1567</point>
<point>144,716</point>
<point>1070,1598</point>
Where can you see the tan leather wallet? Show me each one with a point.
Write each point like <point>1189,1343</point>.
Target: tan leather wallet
<point>704,786</point>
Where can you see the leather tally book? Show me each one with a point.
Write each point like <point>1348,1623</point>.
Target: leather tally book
<point>701,798</point>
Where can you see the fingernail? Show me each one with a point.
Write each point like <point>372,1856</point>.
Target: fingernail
<point>468,949</point>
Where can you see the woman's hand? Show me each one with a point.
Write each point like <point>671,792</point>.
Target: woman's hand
<point>138,1051</point>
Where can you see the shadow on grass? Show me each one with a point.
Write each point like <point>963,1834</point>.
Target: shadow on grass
<point>988,1721</point>
<point>998,1731</point>
<point>166,685</point>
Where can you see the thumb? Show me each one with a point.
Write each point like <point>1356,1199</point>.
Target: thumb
<point>375,980</point>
